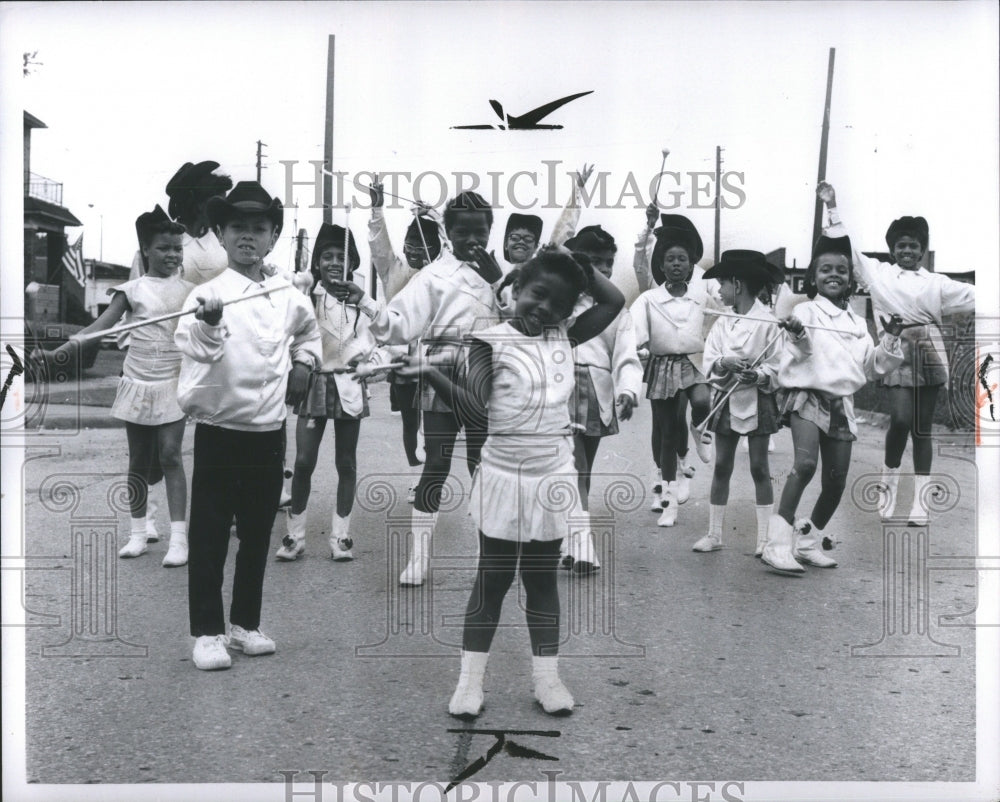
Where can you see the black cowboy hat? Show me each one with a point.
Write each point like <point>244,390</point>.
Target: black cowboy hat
<point>908,226</point>
<point>330,234</point>
<point>145,221</point>
<point>247,197</point>
<point>675,229</point>
<point>591,238</point>
<point>531,222</point>
<point>742,265</point>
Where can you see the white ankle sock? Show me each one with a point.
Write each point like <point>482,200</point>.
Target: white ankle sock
<point>139,527</point>
<point>763,517</point>
<point>178,529</point>
<point>716,516</point>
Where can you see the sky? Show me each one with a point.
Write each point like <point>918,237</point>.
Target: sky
<point>129,96</point>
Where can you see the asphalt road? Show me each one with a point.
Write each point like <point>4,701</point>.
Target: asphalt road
<point>683,665</point>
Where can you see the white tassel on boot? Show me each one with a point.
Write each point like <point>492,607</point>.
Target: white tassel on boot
<point>422,525</point>
<point>467,700</point>
<point>713,540</point>
<point>807,545</point>
<point>550,692</point>
<point>340,539</point>
<point>177,551</point>
<point>669,515</point>
<point>582,543</point>
<point>137,539</point>
<point>918,512</point>
<point>656,492</point>
<point>887,489</point>
<point>293,544</point>
<point>763,521</point>
<point>778,551</point>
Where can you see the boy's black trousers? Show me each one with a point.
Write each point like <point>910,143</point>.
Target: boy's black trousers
<point>237,474</point>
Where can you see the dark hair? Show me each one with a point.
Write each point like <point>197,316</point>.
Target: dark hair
<point>184,201</point>
<point>809,280</point>
<point>353,261</point>
<point>149,233</point>
<point>755,284</point>
<point>467,202</point>
<point>575,268</point>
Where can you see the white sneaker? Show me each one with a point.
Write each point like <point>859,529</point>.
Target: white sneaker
<point>708,543</point>
<point>553,696</point>
<point>340,549</point>
<point>252,642</point>
<point>177,553</point>
<point>210,653</point>
<point>136,545</point>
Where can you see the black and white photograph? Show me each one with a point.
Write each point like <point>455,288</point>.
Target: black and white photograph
<point>500,401</point>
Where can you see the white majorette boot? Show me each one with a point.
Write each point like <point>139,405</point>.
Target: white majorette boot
<point>656,492</point>
<point>778,550</point>
<point>293,544</point>
<point>152,536</point>
<point>887,490</point>
<point>807,545</point>
<point>177,551</point>
<point>668,517</point>
<point>137,539</point>
<point>763,522</point>
<point>467,700</point>
<point>551,694</point>
<point>340,539</point>
<point>684,474</point>
<point>422,525</point>
<point>918,510</point>
<point>582,543</point>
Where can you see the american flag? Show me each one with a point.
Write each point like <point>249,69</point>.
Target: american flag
<point>73,260</point>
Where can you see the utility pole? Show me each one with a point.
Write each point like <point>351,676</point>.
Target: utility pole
<point>818,216</point>
<point>718,198</point>
<point>328,134</point>
<point>260,146</point>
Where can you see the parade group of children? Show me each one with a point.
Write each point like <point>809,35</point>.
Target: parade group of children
<point>536,360</point>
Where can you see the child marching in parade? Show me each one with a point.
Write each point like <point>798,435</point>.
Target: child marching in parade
<point>670,320</point>
<point>239,370</point>
<point>445,301</point>
<point>741,359</point>
<point>517,380</point>
<point>333,394</point>
<point>421,246</point>
<point>147,392</point>
<point>921,299</point>
<point>608,374</point>
<point>828,355</point>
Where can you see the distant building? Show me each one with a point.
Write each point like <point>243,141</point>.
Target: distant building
<point>101,276</point>
<point>45,223</point>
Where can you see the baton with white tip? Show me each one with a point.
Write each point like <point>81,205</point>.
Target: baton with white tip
<point>93,335</point>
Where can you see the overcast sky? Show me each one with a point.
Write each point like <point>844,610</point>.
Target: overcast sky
<point>131,92</point>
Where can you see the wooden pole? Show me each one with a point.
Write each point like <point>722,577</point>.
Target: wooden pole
<point>328,135</point>
<point>818,216</point>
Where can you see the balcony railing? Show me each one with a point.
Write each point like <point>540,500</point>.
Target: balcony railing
<point>45,189</point>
